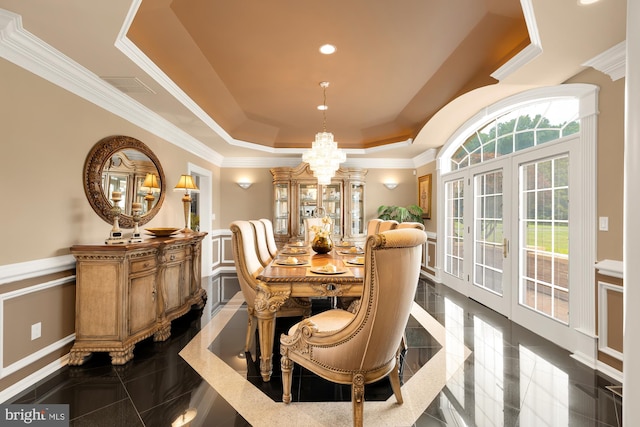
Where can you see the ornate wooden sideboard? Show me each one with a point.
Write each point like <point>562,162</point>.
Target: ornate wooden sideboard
<point>126,293</point>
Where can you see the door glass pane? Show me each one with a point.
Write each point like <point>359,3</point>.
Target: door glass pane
<point>308,203</point>
<point>454,227</point>
<point>544,281</point>
<point>332,203</point>
<point>488,231</point>
<point>281,209</point>
<point>357,209</point>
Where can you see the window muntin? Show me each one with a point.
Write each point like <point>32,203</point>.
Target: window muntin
<point>454,223</point>
<point>517,130</point>
<point>544,285</point>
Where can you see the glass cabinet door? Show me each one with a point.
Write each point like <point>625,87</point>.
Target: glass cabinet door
<point>308,198</point>
<point>281,209</point>
<point>357,209</point>
<point>332,204</point>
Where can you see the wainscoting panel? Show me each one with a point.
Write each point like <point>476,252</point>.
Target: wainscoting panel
<point>610,314</point>
<point>37,311</point>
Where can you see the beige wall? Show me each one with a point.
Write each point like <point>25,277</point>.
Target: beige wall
<point>430,168</point>
<point>610,158</point>
<point>46,135</point>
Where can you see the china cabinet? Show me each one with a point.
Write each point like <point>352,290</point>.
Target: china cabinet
<point>126,293</point>
<point>298,196</point>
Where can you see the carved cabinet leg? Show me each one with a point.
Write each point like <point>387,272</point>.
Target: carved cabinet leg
<point>120,357</point>
<point>77,357</point>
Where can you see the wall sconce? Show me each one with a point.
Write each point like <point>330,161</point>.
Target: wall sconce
<point>390,185</point>
<point>244,184</point>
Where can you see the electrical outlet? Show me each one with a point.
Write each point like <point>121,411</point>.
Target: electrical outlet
<point>36,330</point>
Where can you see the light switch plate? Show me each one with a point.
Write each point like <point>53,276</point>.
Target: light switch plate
<point>603,223</point>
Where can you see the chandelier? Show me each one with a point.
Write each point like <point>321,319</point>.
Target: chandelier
<point>324,157</point>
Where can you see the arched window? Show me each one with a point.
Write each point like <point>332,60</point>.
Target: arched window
<point>517,130</point>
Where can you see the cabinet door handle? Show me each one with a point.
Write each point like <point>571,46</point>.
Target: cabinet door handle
<point>172,257</point>
<point>153,295</point>
<point>145,265</point>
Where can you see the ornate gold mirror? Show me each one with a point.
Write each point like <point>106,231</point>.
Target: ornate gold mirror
<point>126,165</point>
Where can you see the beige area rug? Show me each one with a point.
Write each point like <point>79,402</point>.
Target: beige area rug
<point>259,410</point>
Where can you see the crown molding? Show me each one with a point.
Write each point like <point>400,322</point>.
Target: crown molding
<point>612,61</point>
<point>528,53</point>
<point>22,48</point>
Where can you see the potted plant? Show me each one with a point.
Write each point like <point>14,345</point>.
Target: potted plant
<point>411,213</point>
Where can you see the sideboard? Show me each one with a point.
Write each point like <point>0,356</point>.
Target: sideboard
<point>126,293</point>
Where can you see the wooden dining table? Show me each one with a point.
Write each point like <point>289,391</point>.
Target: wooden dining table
<point>310,276</point>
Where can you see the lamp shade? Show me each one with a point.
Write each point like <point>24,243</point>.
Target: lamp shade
<point>187,183</point>
<point>151,181</point>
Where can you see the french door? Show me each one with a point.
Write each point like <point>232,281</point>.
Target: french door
<point>490,269</point>
<point>506,234</point>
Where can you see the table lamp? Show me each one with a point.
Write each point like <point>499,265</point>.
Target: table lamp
<point>187,184</point>
<point>149,185</point>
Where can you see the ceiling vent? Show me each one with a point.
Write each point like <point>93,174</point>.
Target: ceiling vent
<point>128,84</point>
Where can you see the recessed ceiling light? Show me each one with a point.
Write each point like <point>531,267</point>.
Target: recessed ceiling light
<point>322,107</point>
<point>327,49</point>
<point>586,2</point>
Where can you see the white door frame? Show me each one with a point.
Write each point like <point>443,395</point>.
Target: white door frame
<point>204,211</point>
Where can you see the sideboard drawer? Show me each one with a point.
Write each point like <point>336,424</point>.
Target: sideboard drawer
<point>176,255</point>
<point>138,265</point>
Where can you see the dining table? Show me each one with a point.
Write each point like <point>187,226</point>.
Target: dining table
<point>297,271</point>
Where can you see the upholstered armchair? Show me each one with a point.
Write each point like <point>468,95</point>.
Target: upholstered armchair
<point>262,249</point>
<point>362,347</point>
<point>271,240</point>
<point>248,267</point>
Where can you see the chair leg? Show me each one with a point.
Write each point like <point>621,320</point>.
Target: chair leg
<point>286,365</point>
<point>357,399</point>
<point>251,333</point>
<point>394,377</point>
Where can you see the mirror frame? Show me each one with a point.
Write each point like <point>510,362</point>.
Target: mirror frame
<point>92,177</point>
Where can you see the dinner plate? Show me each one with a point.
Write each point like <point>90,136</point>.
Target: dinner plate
<point>320,270</point>
<point>359,252</point>
<point>284,262</point>
<point>294,251</point>
<point>354,262</point>
<point>295,245</point>
<point>344,245</point>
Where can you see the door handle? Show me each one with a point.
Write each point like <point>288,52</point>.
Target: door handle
<point>505,247</point>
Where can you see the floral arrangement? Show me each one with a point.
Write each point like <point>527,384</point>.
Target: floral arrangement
<point>323,230</point>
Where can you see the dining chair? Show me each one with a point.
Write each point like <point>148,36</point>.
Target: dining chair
<point>362,347</point>
<point>387,224</point>
<point>248,267</point>
<point>411,224</point>
<point>372,226</point>
<point>261,242</point>
<point>271,240</point>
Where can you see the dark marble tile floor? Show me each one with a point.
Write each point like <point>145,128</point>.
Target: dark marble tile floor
<point>512,378</point>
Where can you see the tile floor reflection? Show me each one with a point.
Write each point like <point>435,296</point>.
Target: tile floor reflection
<point>465,366</point>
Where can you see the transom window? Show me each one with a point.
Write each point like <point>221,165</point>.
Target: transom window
<point>517,130</point>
